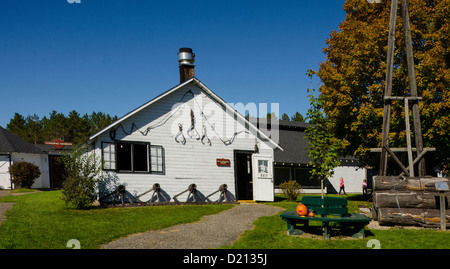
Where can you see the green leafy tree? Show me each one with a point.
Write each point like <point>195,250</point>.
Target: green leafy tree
<point>83,176</point>
<point>323,147</point>
<point>353,76</point>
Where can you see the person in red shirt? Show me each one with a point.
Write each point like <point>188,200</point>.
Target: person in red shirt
<point>342,187</point>
<point>364,187</point>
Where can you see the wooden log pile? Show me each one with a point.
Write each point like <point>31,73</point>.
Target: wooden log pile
<point>407,201</point>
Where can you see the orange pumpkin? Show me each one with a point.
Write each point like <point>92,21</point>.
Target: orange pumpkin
<point>311,214</point>
<point>302,210</point>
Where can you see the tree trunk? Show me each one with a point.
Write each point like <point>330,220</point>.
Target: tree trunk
<point>411,217</point>
<point>395,200</point>
<point>411,201</point>
<point>407,199</point>
<point>384,183</point>
<point>425,183</point>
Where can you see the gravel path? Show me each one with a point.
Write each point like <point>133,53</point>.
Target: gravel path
<point>4,193</point>
<point>210,232</point>
<point>3,208</point>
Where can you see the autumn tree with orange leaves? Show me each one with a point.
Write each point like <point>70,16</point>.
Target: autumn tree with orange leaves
<point>353,77</point>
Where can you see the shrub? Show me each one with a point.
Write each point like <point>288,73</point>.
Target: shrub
<point>291,189</point>
<point>81,182</point>
<point>79,192</point>
<point>24,174</point>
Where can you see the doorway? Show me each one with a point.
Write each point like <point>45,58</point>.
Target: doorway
<point>243,174</point>
<point>57,171</point>
<point>5,178</point>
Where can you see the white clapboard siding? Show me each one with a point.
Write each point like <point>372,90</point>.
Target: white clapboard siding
<point>192,162</point>
<point>5,178</point>
<point>41,160</point>
<point>353,178</point>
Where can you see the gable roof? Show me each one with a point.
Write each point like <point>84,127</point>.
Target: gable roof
<point>292,137</point>
<point>197,82</point>
<point>296,143</point>
<point>10,142</point>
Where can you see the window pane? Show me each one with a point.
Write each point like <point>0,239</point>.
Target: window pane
<point>263,166</point>
<point>140,158</point>
<point>156,154</point>
<point>282,174</point>
<point>303,176</point>
<point>124,157</point>
<point>108,155</point>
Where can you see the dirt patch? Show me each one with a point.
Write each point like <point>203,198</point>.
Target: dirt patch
<point>316,232</point>
<point>3,208</point>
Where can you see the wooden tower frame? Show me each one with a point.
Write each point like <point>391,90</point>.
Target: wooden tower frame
<point>413,99</point>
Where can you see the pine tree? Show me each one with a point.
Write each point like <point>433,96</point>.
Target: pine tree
<point>285,117</point>
<point>297,117</point>
<point>17,125</point>
<point>72,128</point>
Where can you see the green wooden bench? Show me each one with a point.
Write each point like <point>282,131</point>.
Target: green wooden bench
<point>327,210</point>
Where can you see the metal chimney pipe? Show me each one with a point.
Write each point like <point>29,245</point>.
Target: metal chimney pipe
<point>186,64</point>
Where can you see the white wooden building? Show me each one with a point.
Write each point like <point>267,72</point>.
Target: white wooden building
<point>187,135</point>
<point>14,149</point>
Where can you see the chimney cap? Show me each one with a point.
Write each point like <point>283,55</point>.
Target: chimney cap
<point>186,56</point>
<point>186,50</point>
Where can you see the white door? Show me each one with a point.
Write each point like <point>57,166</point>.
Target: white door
<point>5,182</point>
<point>263,178</point>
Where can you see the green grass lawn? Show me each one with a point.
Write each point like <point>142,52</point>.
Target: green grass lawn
<point>270,233</point>
<point>42,221</point>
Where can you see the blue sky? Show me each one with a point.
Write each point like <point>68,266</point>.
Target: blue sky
<point>114,55</point>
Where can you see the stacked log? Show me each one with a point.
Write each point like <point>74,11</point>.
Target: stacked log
<point>408,201</point>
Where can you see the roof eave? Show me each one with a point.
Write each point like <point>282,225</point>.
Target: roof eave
<point>201,85</point>
<point>133,112</point>
<point>264,136</point>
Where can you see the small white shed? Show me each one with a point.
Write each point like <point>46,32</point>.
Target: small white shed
<point>14,149</point>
